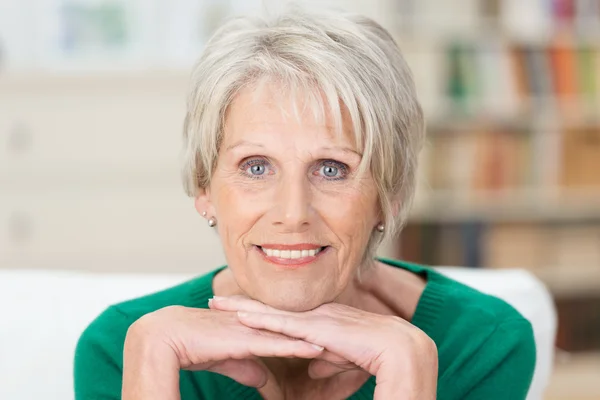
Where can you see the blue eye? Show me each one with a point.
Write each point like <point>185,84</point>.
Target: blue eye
<point>254,168</point>
<point>333,170</point>
<point>329,171</point>
<point>257,169</point>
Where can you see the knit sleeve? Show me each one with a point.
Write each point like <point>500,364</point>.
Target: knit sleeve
<point>98,363</point>
<point>502,367</point>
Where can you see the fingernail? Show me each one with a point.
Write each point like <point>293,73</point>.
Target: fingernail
<point>218,298</point>
<point>209,302</point>
<point>320,348</point>
<point>242,314</point>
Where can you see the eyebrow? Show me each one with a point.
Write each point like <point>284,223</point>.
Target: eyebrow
<point>243,143</point>
<point>247,143</point>
<point>343,149</point>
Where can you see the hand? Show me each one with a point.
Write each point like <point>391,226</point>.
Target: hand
<point>402,357</point>
<point>161,343</point>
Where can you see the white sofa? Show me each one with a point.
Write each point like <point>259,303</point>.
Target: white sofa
<point>44,312</point>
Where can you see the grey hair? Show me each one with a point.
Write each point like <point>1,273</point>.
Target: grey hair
<point>340,63</point>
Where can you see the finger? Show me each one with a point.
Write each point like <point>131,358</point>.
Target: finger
<point>335,335</point>
<point>328,364</point>
<point>244,341</point>
<point>261,345</point>
<point>331,357</point>
<point>320,369</point>
<point>291,324</point>
<point>247,372</point>
<point>240,303</point>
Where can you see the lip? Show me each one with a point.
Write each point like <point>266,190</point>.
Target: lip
<point>298,246</point>
<point>291,263</point>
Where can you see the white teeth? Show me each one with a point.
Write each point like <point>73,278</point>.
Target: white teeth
<point>290,253</point>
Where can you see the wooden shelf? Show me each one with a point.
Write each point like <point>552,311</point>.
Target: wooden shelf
<point>553,205</point>
<point>526,113</point>
<point>579,280</point>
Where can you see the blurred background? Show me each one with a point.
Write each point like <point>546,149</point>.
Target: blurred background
<point>92,97</point>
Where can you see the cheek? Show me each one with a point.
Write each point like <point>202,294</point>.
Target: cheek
<point>352,215</point>
<point>234,198</point>
<point>238,208</point>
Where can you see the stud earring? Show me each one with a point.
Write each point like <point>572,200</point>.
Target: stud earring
<point>212,222</point>
<point>381,227</point>
<point>204,213</point>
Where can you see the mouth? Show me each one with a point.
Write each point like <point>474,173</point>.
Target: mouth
<point>291,256</point>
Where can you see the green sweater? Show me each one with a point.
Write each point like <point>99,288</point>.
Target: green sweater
<point>486,348</point>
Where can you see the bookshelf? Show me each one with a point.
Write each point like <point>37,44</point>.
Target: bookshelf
<point>510,174</point>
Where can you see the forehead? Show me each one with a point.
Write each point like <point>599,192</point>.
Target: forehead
<point>270,108</point>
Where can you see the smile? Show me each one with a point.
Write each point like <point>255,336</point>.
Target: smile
<point>293,255</point>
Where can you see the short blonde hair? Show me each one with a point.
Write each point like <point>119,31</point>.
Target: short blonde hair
<point>340,63</point>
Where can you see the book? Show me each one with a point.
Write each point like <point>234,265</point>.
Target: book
<point>580,157</point>
<point>450,248</point>
<point>564,71</point>
<point>515,245</point>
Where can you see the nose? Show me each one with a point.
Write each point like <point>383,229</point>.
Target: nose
<point>293,208</point>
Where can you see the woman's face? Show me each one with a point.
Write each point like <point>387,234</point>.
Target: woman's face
<point>293,217</point>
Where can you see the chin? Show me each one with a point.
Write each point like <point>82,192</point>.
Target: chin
<point>295,306</point>
<point>295,298</point>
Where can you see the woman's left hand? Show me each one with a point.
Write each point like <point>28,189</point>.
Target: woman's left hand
<point>401,357</point>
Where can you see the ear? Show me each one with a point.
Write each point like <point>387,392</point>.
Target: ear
<point>203,204</point>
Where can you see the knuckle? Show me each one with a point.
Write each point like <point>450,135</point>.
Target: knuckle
<point>173,311</point>
<point>285,324</point>
<point>423,342</point>
<point>281,322</point>
<point>429,344</point>
<point>148,320</point>
<point>264,334</point>
<point>397,321</point>
<point>148,327</point>
<point>399,324</point>
<point>330,308</point>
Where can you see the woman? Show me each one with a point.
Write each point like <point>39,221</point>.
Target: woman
<point>301,142</point>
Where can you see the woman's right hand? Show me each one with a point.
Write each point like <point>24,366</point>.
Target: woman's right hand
<point>161,343</point>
